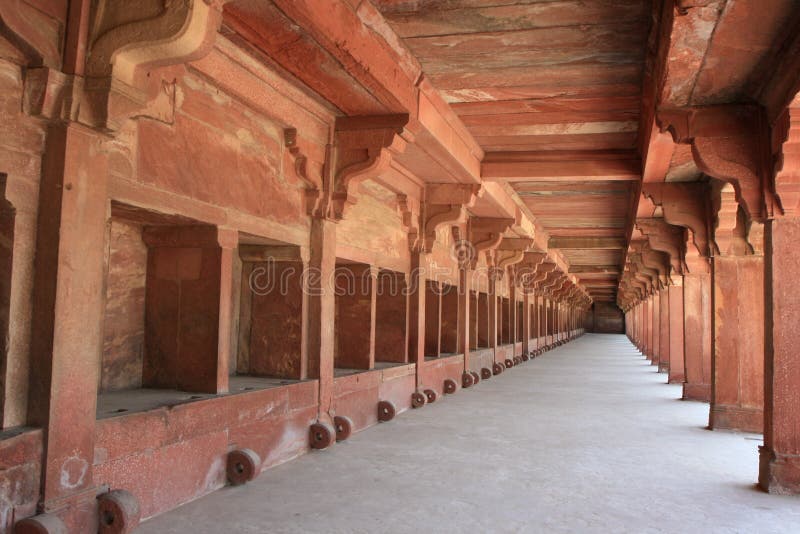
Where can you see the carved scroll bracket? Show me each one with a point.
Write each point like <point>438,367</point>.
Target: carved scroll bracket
<point>730,143</point>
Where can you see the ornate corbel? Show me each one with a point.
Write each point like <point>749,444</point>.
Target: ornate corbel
<point>409,215</point>
<point>526,271</point>
<point>729,143</point>
<point>786,156</point>
<point>486,234</point>
<point>730,229</point>
<point>31,32</point>
<point>299,163</point>
<point>127,38</point>
<point>543,270</point>
<point>684,204</point>
<point>666,238</point>
<point>364,148</point>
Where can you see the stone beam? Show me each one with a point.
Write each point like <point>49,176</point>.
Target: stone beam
<point>607,243</point>
<point>516,167</point>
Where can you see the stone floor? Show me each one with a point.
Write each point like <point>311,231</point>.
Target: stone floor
<point>587,438</point>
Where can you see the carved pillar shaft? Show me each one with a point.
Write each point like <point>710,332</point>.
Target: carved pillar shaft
<point>737,393</point>
<point>68,316</point>
<point>697,336</point>
<point>463,314</point>
<point>663,331</point>
<point>416,311</point>
<point>780,455</point>
<point>677,374</point>
<point>322,311</point>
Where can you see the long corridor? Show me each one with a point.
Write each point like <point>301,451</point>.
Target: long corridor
<point>586,438</point>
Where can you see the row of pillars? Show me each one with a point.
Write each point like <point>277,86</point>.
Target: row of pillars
<point>728,333</point>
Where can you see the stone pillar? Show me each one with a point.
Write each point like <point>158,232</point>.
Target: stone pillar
<point>780,455</point>
<point>526,322</point>
<point>697,334</point>
<point>677,374</point>
<point>68,318</point>
<point>737,392</point>
<point>493,309</point>
<point>322,311</point>
<point>463,313</point>
<point>663,335</point>
<point>512,312</point>
<point>416,310</point>
<point>656,327</point>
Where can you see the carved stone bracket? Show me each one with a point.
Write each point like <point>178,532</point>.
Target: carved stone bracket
<point>730,230</point>
<point>127,38</point>
<point>526,270</point>
<point>26,28</point>
<point>684,204</point>
<point>666,238</point>
<point>786,155</point>
<point>363,149</point>
<point>729,143</point>
<point>486,234</point>
<point>542,272</point>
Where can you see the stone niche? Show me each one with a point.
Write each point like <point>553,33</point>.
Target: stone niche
<point>354,290</point>
<point>391,317</point>
<point>272,311</point>
<point>483,319</point>
<point>432,316</point>
<point>7,218</point>
<point>162,311</point>
<point>473,320</point>
<point>449,319</point>
<point>504,325</point>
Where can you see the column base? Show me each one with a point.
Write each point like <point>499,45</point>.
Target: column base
<point>697,392</point>
<point>778,473</point>
<point>722,417</point>
<point>663,367</point>
<point>676,378</point>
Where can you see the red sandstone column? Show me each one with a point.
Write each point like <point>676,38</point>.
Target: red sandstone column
<point>677,374</point>
<point>697,332</point>
<point>68,318</point>
<point>322,311</point>
<point>737,392</point>
<point>538,320</point>
<point>416,311</point>
<point>526,322</point>
<point>656,327</point>
<point>648,328</point>
<point>663,336</point>
<point>780,456</point>
<point>228,240</point>
<point>493,310</point>
<point>512,313</point>
<point>463,313</point>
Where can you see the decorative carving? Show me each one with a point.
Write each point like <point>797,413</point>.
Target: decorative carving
<point>730,232</point>
<point>129,37</point>
<point>786,155</point>
<point>728,143</point>
<point>26,28</point>
<point>683,204</point>
<point>486,234</point>
<point>364,149</point>
<point>666,238</point>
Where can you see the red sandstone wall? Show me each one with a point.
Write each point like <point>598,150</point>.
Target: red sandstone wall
<point>608,319</point>
<point>123,342</point>
<point>21,147</point>
<point>20,469</point>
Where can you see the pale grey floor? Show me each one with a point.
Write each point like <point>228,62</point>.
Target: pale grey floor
<point>587,438</point>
